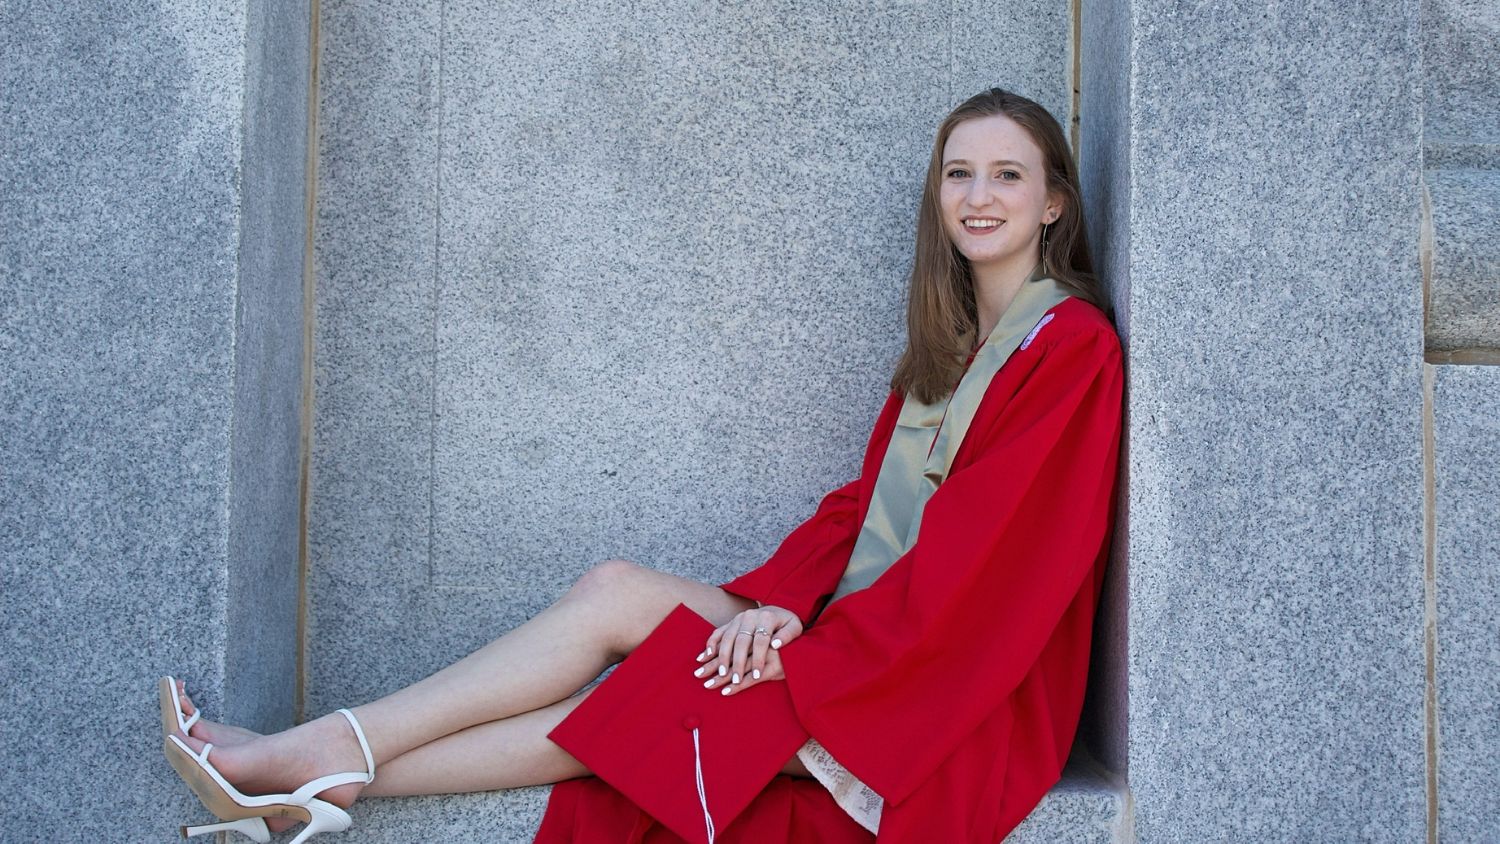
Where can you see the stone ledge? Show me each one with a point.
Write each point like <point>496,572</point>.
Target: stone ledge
<point>1464,303</point>
<point>1441,154</point>
<point>1085,808</point>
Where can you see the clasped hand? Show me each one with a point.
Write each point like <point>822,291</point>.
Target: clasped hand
<point>742,653</point>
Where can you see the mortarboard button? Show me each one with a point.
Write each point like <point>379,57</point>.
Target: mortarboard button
<point>690,722</point>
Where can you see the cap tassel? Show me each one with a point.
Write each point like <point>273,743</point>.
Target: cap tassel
<point>708,820</point>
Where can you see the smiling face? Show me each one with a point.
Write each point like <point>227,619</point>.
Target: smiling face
<point>994,195</point>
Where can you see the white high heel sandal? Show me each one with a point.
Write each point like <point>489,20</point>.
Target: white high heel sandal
<point>171,709</point>
<point>254,827</point>
<point>172,718</point>
<point>228,804</point>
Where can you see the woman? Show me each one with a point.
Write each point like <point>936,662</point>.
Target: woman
<point>938,675</point>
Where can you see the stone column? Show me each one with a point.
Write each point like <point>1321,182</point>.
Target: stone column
<point>151,247</point>
<point>1465,455</point>
<point>1263,167</point>
<point>1461,153</point>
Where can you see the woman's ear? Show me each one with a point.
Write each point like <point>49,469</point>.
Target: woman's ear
<point>1054,209</point>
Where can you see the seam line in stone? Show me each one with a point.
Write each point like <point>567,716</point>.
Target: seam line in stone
<point>309,334</point>
<point>437,299</point>
<point>1429,597</point>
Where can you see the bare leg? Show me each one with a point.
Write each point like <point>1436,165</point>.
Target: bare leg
<point>600,620</point>
<point>508,753</point>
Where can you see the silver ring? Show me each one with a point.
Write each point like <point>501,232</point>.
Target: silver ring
<point>743,633</point>
<point>760,630</point>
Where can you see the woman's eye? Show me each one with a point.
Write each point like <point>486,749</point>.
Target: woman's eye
<point>1009,175</point>
<point>957,173</point>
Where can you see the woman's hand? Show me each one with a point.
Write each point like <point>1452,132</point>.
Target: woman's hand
<point>742,653</point>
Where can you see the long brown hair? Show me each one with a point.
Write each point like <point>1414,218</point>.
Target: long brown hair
<point>942,319</point>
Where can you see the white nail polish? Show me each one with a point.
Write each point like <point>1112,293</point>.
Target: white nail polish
<point>698,673</point>
<point>776,643</point>
<point>709,683</point>
<point>723,670</point>
<point>736,677</point>
<point>725,690</point>
<point>755,674</point>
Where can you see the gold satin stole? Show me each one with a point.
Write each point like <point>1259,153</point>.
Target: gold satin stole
<point>927,437</point>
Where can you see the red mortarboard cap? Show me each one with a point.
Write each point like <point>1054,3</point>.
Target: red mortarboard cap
<point>636,732</point>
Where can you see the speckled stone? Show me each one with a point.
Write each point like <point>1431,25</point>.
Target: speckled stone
<point>1276,660</point>
<point>1461,59</point>
<point>639,276</point>
<point>502,816</point>
<point>375,236</point>
<point>144,400</point>
<point>1104,176</point>
<point>1086,807</point>
<point>1463,309</point>
<point>1466,437</point>
<point>266,495</point>
<point>1026,49</point>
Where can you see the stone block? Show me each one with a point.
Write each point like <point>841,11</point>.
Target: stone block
<point>1104,176</point>
<point>374,252</point>
<point>1466,547</point>
<point>265,503</point>
<point>1084,808</point>
<point>1463,306</point>
<point>140,329</point>
<point>1276,600</point>
<point>512,815</point>
<point>1461,61</point>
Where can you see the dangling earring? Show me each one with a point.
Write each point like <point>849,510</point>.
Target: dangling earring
<point>1044,246</point>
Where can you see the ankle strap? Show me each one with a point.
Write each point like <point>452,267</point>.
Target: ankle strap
<point>363,745</point>
<point>304,794</point>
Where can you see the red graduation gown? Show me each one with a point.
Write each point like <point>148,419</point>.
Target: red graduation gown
<point>952,685</point>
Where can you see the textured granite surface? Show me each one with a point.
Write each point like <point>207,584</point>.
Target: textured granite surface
<point>1104,174</point>
<point>121,251</point>
<point>1084,808</point>
<point>1463,308</point>
<point>265,499</point>
<point>500,816</point>
<point>1027,49</point>
<point>1275,538</point>
<point>375,236</point>
<point>1461,60</point>
<point>1466,437</point>
<point>604,282</point>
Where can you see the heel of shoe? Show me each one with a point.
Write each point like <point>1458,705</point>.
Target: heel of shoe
<point>326,817</point>
<point>254,828</point>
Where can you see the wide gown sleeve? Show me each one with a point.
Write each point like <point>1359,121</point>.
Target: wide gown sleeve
<point>894,676</point>
<point>807,566</point>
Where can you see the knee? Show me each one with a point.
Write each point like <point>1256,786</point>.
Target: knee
<point>606,577</point>
<point>605,596</point>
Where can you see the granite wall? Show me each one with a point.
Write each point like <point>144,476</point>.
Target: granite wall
<point>1264,165</point>
<point>151,242</point>
<point>1461,155</point>
<point>1465,465</point>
